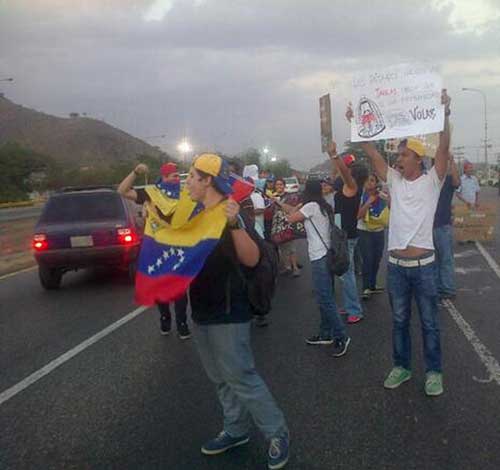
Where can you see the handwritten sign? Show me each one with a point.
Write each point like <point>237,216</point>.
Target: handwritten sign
<point>396,102</point>
<point>325,114</point>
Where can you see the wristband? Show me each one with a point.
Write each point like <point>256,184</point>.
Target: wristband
<point>238,224</point>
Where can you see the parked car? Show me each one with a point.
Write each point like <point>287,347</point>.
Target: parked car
<point>86,227</point>
<point>292,185</point>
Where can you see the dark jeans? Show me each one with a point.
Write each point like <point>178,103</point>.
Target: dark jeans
<point>372,248</point>
<point>404,285</point>
<point>180,310</point>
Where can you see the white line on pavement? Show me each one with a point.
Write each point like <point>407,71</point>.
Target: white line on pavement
<point>5,276</point>
<point>48,368</point>
<point>482,351</point>
<point>493,264</point>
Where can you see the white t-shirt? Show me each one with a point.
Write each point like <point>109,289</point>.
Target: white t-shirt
<point>258,203</point>
<point>317,249</point>
<point>413,205</point>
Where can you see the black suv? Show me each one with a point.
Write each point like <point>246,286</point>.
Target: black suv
<point>86,227</point>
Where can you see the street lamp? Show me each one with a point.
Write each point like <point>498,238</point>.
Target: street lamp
<point>184,147</point>
<point>475,90</point>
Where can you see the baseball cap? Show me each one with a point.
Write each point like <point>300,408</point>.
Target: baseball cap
<point>168,169</point>
<point>349,159</point>
<point>414,144</point>
<point>215,166</point>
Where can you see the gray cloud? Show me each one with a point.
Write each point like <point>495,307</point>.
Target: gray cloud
<point>230,73</point>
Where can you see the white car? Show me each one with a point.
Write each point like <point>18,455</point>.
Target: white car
<point>292,185</point>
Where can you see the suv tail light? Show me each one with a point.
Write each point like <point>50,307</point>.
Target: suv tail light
<point>126,236</point>
<point>40,242</point>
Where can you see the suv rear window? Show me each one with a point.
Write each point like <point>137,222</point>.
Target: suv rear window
<point>86,207</point>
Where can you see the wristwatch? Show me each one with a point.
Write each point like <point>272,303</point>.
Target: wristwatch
<point>238,224</point>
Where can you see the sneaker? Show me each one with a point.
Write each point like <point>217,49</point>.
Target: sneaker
<point>396,377</point>
<point>340,346</point>
<point>377,290</point>
<point>278,454</point>
<point>261,321</point>
<point>165,325</point>
<point>296,273</point>
<point>183,331</point>
<point>366,294</point>
<point>315,340</point>
<point>222,443</point>
<point>351,319</point>
<point>433,384</point>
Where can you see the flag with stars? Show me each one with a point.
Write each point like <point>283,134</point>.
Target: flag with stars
<point>172,255</point>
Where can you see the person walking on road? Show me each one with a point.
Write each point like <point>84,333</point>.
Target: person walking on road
<point>222,315</point>
<point>373,218</point>
<point>169,176</point>
<point>443,235</point>
<point>347,201</point>
<point>411,270</point>
<point>316,214</point>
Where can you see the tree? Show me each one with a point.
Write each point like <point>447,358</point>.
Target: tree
<point>250,156</point>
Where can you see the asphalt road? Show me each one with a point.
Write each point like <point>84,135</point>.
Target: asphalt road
<point>20,213</point>
<point>138,400</point>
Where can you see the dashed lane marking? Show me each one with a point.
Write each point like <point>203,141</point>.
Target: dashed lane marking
<point>47,369</point>
<point>5,276</point>
<point>493,264</point>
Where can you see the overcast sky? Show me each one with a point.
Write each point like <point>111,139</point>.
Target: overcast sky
<point>231,74</point>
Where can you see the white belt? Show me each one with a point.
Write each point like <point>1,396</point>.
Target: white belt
<point>412,263</point>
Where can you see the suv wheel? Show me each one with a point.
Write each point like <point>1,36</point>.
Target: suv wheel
<point>50,278</point>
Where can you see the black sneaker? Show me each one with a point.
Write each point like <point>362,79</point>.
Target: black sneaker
<point>261,321</point>
<point>165,325</point>
<point>318,340</point>
<point>183,331</point>
<point>340,346</point>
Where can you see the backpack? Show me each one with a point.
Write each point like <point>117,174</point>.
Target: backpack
<point>338,253</point>
<point>261,280</point>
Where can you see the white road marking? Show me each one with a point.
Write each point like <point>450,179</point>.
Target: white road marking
<point>493,264</point>
<point>472,269</point>
<point>486,357</point>
<point>465,254</point>
<point>48,368</point>
<point>5,276</point>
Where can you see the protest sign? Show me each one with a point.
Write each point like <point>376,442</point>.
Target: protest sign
<point>325,114</point>
<point>396,102</point>
<point>474,224</point>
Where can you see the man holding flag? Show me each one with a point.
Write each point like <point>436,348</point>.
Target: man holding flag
<point>203,242</point>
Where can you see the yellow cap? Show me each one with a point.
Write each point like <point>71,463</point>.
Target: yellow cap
<point>416,145</point>
<point>217,167</point>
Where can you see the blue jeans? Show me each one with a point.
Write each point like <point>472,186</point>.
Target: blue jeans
<point>372,248</point>
<point>404,285</point>
<point>350,295</point>
<point>227,357</point>
<point>331,325</point>
<point>445,263</point>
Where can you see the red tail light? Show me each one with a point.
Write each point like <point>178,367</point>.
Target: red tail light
<point>40,242</point>
<point>126,236</point>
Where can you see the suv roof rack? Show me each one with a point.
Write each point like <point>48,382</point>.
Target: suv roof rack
<point>68,189</point>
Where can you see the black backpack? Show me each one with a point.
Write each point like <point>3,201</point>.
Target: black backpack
<point>338,252</point>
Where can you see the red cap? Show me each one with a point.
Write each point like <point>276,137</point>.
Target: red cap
<point>349,159</point>
<point>168,169</point>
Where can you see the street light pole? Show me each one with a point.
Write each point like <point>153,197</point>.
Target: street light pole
<point>476,90</point>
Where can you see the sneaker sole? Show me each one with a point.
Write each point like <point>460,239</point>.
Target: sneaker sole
<point>434,394</point>
<point>225,449</point>
<point>164,333</point>
<point>392,387</point>
<point>343,353</point>
<point>320,343</point>
<point>278,465</point>
<point>184,338</point>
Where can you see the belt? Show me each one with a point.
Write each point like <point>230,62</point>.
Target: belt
<point>412,263</point>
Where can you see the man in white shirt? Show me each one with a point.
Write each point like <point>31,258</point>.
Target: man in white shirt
<point>469,187</point>
<point>414,198</point>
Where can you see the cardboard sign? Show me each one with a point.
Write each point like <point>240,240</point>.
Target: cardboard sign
<point>325,114</point>
<point>474,224</point>
<point>396,102</point>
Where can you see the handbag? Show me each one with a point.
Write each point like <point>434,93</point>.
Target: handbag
<point>283,231</point>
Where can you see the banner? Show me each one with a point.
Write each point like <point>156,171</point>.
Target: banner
<point>396,102</point>
<point>325,114</point>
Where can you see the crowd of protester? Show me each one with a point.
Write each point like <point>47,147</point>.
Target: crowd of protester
<point>411,202</point>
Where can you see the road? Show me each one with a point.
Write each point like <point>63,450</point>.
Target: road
<point>138,400</point>
<point>20,213</point>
